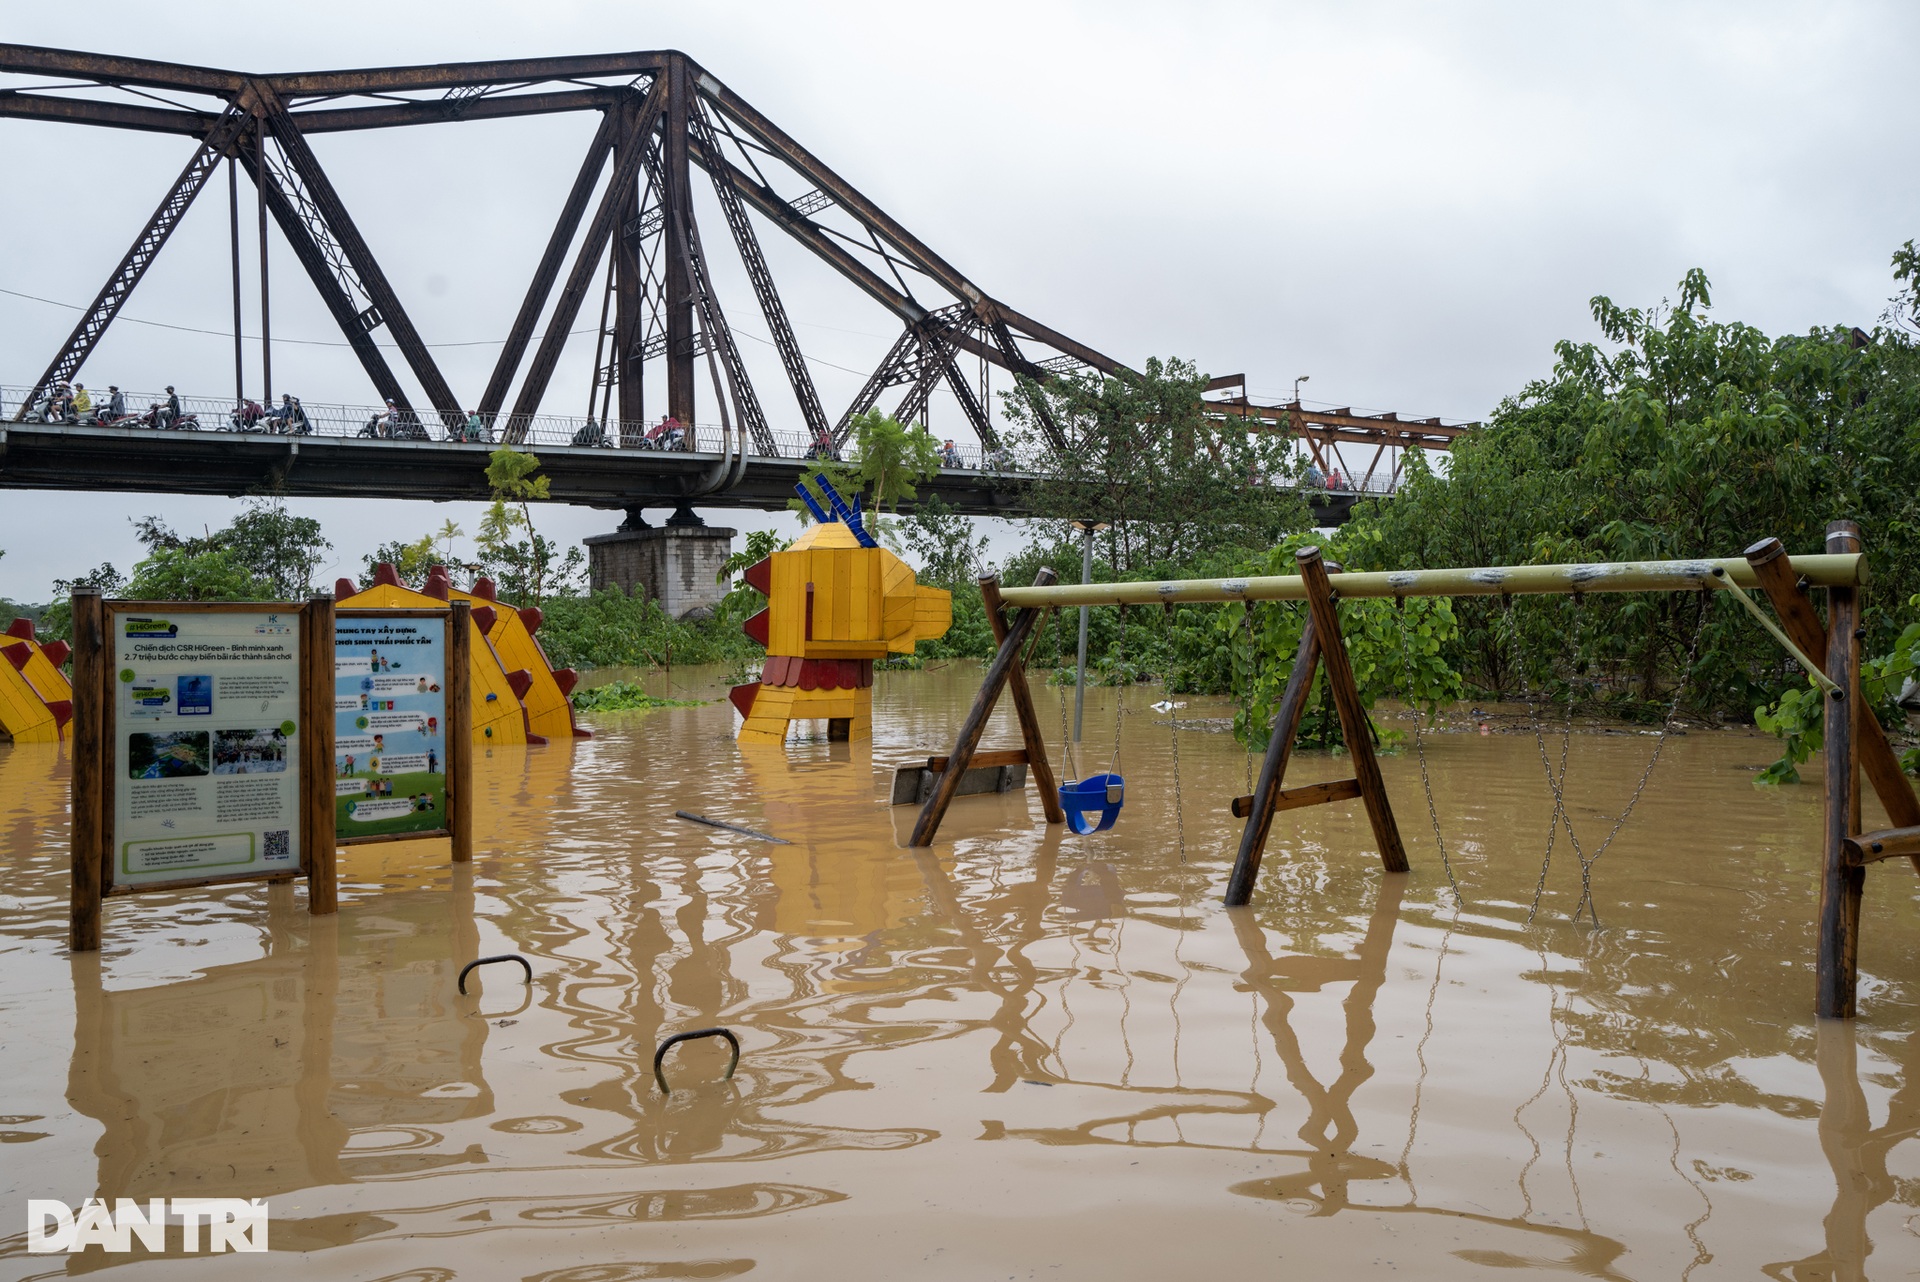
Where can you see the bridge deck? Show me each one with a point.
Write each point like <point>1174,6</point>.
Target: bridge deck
<point>58,457</point>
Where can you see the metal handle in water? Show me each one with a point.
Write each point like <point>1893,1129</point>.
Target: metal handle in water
<point>482,961</point>
<point>660,1055</point>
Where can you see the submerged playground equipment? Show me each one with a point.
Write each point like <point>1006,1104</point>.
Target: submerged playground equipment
<point>517,695</point>
<point>1829,651</point>
<point>36,701</point>
<point>836,601</point>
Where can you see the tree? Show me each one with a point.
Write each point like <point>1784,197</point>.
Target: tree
<point>409,560</point>
<point>891,459</point>
<point>1141,455</point>
<point>183,574</point>
<point>1676,436</point>
<point>273,547</point>
<point>526,564</point>
<point>56,622</point>
<point>950,554</point>
<point>281,550</point>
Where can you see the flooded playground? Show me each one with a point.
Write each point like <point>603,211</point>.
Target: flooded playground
<point>1021,1053</point>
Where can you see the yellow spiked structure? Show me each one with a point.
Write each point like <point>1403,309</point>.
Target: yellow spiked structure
<point>36,703</point>
<point>833,607</point>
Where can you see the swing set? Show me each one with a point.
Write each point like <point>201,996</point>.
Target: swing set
<point>1829,651</point>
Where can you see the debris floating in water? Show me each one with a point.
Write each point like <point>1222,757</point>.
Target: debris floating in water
<point>721,823</point>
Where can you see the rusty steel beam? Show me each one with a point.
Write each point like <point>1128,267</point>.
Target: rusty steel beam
<point>848,198</point>
<point>319,266</point>
<point>21,105</point>
<point>1295,418</point>
<point>574,208</point>
<point>799,377</point>
<point>312,120</point>
<point>891,371</point>
<point>306,166</point>
<point>676,199</point>
<point>1054,338</point>
<point>626,367</point>
<point>455,75</point>
<point>875,286</point>
<point>580,279</point>
<point>133,265</point>
<point>33,60</point>
<point>843,192</point>
<point>326,120</point>
<point>970,406</point>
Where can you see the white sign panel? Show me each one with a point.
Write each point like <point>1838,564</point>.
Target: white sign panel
<point>206,779</point>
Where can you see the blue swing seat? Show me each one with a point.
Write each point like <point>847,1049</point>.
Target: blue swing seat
<point>1101,794</point>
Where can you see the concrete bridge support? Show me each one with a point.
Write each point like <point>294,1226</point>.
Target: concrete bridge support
<point>675,564</point>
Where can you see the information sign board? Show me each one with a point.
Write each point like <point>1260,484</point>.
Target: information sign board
<point>207,742</point>
<point>390,733</point>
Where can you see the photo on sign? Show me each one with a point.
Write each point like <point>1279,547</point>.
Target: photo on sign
<point>249,752</point>
<point>195,696</point>
<point>174,754</point>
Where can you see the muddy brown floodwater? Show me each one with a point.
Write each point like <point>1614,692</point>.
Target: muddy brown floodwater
<point>1019,1054</point>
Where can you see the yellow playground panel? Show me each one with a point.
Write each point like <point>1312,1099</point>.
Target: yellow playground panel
<point>36,701</point>
<point>549,712</point>
<point>834,605</point>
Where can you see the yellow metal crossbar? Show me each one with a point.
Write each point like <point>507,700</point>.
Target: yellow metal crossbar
<point>1847,569</point>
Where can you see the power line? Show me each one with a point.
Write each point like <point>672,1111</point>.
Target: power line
<point>319,342</point>
<point>224,333</point>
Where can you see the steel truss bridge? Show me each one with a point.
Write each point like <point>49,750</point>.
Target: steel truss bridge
<point>626,239</point>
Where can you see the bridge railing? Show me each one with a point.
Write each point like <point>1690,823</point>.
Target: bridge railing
<point>333,419</point>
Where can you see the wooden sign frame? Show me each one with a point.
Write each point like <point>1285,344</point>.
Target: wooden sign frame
<point>95,759</point>
<point>456,684</point>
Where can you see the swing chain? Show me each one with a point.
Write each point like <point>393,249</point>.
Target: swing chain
<point>1246,626</point>
<point>1561,814</point>
<point>1666,729</point>
<point>1119,692</point>
<point>1173,724</point>
<point>1066,737</point>
<point>1420,750</point>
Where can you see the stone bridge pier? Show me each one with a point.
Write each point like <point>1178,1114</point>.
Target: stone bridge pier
<point>676,564</point>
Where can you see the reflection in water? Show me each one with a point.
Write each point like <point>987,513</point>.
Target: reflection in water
<point>944,1047</point>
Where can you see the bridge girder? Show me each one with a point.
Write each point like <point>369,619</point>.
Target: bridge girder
<point>689,119</point>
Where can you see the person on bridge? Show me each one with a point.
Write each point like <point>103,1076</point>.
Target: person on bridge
<point>476,428</point>
<point>82,401</point>
<point>949,456</point>
<point>171,414</point>
<point>1316,479</point>
<point>116,402</point>
<point>1333,480</point>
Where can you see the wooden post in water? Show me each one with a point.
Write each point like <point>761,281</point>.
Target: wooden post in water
<point>1286,725</point>
<point>1023,708</point>
<point>459,763</point>
<point>1841,884</point>
<point>1003,665</point>
<point>91,790</point>
<point>316,757</point>
<point>1353,717</point>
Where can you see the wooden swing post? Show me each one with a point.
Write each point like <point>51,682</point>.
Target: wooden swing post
<point>1006,666</point>
<point>1320,643</point>
<point>1855,745</point>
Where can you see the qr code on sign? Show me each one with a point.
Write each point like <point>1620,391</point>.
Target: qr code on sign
<point>277,844</point>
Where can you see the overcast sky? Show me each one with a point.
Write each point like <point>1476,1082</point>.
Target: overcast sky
<point>1409,203</point>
